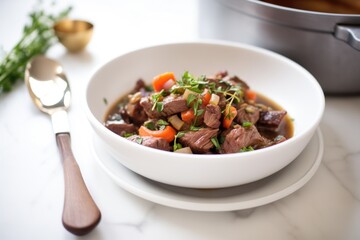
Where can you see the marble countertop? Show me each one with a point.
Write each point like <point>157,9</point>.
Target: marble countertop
<point>31,173</point>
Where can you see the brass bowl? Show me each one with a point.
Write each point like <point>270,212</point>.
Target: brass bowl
<point>74,34</point>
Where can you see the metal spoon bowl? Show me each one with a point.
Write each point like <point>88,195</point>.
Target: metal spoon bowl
<point>50,91</point>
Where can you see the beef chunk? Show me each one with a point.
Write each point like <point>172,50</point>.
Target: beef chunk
<point>278,139</point>
<point>221,74</point>
<point>120,127</point>
<point>237,81</point>
<point>217,82</point>
<point>241,137</point>
<point>147,104</point>
<point>153,142</point>
<point>199,141</point>
<point>212,116</point>
<point>136,113</point>
<point>124,115</point>
<point>247,113</point>
<point>222,102</point>
<point>271,118</point>
<point>140,84</point>
<point>171,106</point>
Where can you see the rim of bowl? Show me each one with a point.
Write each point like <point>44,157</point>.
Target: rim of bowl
<point>221,157</point>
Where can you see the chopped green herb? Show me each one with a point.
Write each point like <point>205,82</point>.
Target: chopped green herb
<point>247,124</point>
<point>159,106</point>
<point>105,101</point>
<point>150,125</point>
<point>194,128</point>
<point>190,99</point>
<point>233,94</point>
<point>196,106</point>
<point>180,134</point>
<point>157,98</point>
<point>215,141</point>
<point>247,149</point>
<point>176,144</point>
<point>162,122</point>
<point>139,140</point>
<point>199,112</point>
<point>126,135</point>
<point>188,81</point>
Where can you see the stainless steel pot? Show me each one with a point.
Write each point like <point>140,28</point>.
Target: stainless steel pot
<point>326,44</point>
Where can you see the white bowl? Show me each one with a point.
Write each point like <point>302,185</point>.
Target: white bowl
<point>271,74</point>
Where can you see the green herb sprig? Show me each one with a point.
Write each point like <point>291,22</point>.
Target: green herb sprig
<point>176,144</point>
<point>247,149</point>
<point>157,99</point>
<point>36,39</point>
<point>188,81</point>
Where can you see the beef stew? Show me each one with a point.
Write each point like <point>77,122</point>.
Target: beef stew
<point>201,115</point>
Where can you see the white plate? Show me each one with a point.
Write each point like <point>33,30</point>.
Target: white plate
<point>267,190</point>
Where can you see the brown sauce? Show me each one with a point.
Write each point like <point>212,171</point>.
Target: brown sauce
<point>328,6</point>
<point>286,127</point>
<point>115,106</point>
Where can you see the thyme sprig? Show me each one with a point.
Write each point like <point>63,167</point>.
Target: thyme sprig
<point>233,94</point>
<point>188,81</point>
<point>176,144</point>
<point>36,39</point>
<point>157,99</point>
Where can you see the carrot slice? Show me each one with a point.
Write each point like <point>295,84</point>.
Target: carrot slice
<point>159,80</point>
<point>250,95</point>
<point>168,133</point>
<point>229,115</point>
<point>205,97</point>
<point>188,116</point>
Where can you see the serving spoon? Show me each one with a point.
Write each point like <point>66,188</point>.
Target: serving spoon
<point>50,91</point>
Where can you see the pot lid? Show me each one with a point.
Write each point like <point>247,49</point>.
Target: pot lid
<point>303,19</point>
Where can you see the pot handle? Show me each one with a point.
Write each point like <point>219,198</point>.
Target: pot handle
<point>349,34</point>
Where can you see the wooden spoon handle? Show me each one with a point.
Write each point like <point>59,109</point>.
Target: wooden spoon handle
<point>80,213</point>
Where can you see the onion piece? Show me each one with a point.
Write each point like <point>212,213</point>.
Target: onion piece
<point>176,122</point>
<point>135,97</point>
<point>187,93</point>
<point>184,150</point>
<point>214,99</point>
<point>168,84</point>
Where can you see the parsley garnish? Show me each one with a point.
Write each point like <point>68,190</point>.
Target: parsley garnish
<point>176,144</point>
<point>150,125</point>
<point>157,98</point>
<point>126,135</point>
<point>188,81</point>
<point>139,140</point>
<point>190,99</point>
<point>247,124</point>
<point>161,124</point>
<point>215,141</point>
<point>247,149</point>
<point>232,93</point>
